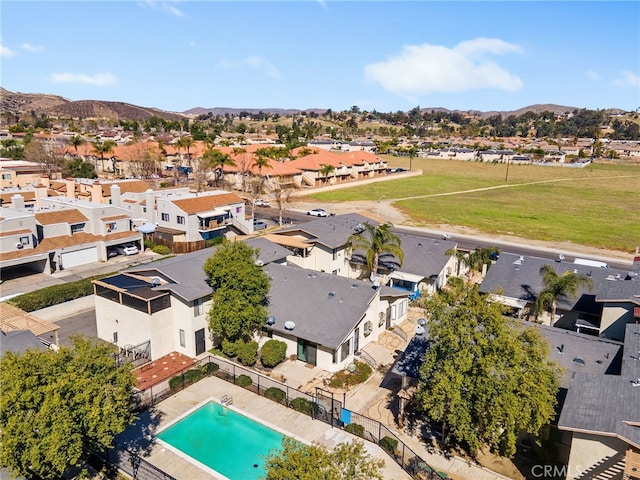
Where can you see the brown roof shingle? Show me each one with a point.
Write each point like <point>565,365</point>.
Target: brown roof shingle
<point>69,216</point>
<point>208,202</point>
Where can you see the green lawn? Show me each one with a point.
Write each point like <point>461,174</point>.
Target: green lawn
<point>598,205</point>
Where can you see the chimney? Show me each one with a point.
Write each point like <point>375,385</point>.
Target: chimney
<point>115,195</point>
<point>41,192</point>
<point>17,201</point>
<point>71,188</point>
<point>150,200</point>
<point>96,192</point>
<point>44,180</point>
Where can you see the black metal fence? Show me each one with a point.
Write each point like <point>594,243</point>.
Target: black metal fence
<point>321,406</point>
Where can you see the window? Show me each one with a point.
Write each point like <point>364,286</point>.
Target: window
<point>180,219</point>
<point>380,319</point>
<point>346,350</point>
<point>115,337</point>
<point>165,217</point>
<point>403,308</point>
<point>197,307</point>
<point>238,209</point>
<point>24,240</point>
<point>367,328</point>
<point>144,209</point>
<point>112,226</point>
<point>78,227</point>
<point>6,176</point>
<point>183,342</point>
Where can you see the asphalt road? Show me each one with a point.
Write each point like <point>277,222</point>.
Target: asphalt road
<point>466,242</point>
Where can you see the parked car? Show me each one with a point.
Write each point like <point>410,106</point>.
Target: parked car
<point>318,212</point>
<point>261,203</point>
<point>112,252</point>
<point>259,225</point>
<point>127,249</point>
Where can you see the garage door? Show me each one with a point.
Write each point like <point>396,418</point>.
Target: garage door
<point>79,257</point>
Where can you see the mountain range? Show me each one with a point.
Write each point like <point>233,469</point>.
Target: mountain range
<point>56,106</point>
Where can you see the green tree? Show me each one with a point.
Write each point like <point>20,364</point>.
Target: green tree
<point>557,287</point>
<point>325,171</point>
<point>480,257</point>
<point>376,240</point>
<point>240,289</point>
<point>298,461</point>
<point>217,160</point>
<point>484,378</point>
<point>54,404</point>
<point>186,142</point>
<point>77,141</point>
<point>78,168</point>
<point>261,161</point>
<point>101,148</point>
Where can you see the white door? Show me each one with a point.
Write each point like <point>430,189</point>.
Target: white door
<point>79,257</point>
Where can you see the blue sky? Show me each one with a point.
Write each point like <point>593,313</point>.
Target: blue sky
<point>384,56</point>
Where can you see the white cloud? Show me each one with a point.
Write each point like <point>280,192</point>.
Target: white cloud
<point>592,75</point>
<point>162,6</point>
<point>32,48</point>
<point>255,62</point>
<point>627,79</point>
<point>99,79</point>
<point>422,69</point>
<point>6,52</point>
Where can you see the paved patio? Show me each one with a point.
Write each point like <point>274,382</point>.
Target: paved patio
<point>140,436</point>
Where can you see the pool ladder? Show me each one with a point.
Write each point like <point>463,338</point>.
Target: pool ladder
<point>226,400</point>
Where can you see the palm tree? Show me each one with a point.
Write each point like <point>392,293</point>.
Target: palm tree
<point>100,148</point>
<point>376,240</point>
<point>186,143</point>
<point>261,161</point>
<point>558,287</point>
<point>325,171</point>
<point>77,141</point>
<point>461,257</point>
<point>217,160</point>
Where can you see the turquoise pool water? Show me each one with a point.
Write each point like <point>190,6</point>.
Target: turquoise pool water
<point>223,440</point>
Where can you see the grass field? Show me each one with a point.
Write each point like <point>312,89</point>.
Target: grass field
<point>598,205</point>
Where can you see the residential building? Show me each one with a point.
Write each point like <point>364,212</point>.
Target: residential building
<point>324,319</point>
<point>515,281</point>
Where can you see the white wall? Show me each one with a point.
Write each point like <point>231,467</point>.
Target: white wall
<point>588,450</point>
<point>615,317</point>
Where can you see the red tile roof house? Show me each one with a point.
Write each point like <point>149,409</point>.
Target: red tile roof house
<point>62,233</point>
<point>200,216</point>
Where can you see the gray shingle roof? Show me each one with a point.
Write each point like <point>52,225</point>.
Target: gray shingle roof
<point>607,404</point>
<point>324,307</point>
<point>331,231</point>
<point>519,277</point>
<point>18,341</point>
<point>626,289</point>
<point>424,256</point>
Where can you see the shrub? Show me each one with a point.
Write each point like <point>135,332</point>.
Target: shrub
<point>148,244</point>
<point>273,352</point>
<point>355,428</point>
<point>275,394</point>
<point>244,381</point>
<point>212,242</point>
<point>248,353</point>
<point>389,444</point>
<point>164,184</point>
<point>209,368</point>
<point>161,249</point>
<point>54,295</point>
<point>344,378</point>
<point>303,405</point>
<point>188,377</point>
<point>230,349</point>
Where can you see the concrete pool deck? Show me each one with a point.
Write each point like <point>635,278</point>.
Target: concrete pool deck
<point>140,436</point>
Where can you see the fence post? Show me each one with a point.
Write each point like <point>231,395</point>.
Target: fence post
<point>402,462</point>
<point>259,384</point>
<point>379,431</point>
<point>234,373</point>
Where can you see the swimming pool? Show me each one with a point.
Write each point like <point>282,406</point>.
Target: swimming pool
<point>223,440</point>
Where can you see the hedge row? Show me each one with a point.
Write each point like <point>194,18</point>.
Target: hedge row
<point>55,294</point>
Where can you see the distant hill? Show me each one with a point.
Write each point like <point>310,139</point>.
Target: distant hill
<point>55,106</point>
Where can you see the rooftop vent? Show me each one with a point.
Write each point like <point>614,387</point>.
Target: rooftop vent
<point>271,320</point>
<point>259,263</point>
<point>636,382</point>
<point>560,257</point>
<point>332,294</point>
<point>155,281</point>
<point>289,325</point>
<point>354,285</point>
<point>579,361</point>
<point>561,348</point>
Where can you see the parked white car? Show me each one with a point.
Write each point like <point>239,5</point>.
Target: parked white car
<point>318,212</point>
<point>259,202</point>
<point>127,249</point>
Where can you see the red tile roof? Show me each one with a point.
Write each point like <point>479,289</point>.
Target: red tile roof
<point>206,202</point>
